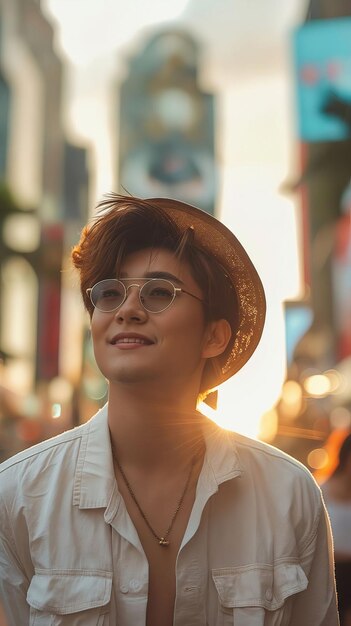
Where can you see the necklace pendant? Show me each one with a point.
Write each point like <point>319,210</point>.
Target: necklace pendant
<point>163,542</point>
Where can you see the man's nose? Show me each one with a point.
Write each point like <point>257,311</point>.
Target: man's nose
<point>131,307</point>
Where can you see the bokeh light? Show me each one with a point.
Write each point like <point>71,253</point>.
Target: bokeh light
<point>335,379</point>
<point>317,385</point>
<point>268,426</point>
<point>291,399</point>
<point>22,232</point>
<point>318,458</point>
<point>56,411</point>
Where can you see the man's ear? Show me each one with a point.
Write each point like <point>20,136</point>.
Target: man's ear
<point>217,336</point>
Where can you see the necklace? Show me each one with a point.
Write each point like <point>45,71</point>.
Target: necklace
<point>163,540</point>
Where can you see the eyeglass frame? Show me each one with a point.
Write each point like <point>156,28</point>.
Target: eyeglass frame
<point>176,291</point>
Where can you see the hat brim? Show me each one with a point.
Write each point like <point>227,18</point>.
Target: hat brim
<point>217,240</point>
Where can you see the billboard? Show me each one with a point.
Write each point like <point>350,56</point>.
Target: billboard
<point>322,61</point>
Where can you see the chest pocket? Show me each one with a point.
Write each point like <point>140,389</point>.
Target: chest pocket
<point>70,598</point>
<point>257,595</point>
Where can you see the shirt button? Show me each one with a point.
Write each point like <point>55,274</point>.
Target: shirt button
<point>124,589</point>
<point>269,594</point>
<point>134,585</point>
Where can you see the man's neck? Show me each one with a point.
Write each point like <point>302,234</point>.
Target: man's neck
<point>149,431</point>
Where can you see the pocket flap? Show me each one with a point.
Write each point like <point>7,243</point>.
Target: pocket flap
<point>266,586</point>
<point>69,592</point>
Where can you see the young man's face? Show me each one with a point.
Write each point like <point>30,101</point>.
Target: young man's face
<point>132,345</point>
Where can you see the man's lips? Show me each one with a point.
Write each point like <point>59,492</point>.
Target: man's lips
<point>130,339</point>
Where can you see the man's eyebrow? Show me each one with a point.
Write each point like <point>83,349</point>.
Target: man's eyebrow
<point>157,274</point>
<point>165,275</point>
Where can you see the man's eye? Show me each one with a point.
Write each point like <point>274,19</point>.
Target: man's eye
<point>110,293</point>
<point>160,292</point>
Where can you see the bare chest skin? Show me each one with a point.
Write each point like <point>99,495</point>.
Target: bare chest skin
<point>159,505</point>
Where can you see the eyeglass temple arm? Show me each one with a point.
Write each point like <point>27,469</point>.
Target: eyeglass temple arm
<point>179,289</point>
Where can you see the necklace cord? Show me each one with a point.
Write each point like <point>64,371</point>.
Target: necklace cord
<point>163,540</point>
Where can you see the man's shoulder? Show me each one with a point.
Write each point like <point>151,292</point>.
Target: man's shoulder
<point>271,460</point>
<point>286,486</point>
<point>256,447</point>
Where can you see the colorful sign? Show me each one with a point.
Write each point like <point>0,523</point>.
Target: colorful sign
<point>322,57</point>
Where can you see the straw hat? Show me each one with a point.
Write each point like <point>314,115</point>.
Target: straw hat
<point>217,240</point>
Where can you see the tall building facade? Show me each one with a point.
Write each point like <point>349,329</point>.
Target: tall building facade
<point>47,180</point>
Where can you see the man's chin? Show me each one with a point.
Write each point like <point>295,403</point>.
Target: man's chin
<point>130,377</point>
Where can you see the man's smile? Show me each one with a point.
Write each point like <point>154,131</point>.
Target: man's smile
<point>130,340</point>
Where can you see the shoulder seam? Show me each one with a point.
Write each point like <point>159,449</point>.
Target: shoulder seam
<point>278,454</point>
<point>51,443</point>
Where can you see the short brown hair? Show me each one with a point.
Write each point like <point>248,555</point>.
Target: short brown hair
<point>125,224</point>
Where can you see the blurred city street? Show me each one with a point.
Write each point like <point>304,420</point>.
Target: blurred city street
<point>240,108</point>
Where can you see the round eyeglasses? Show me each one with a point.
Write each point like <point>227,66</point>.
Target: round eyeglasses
<point>155,294</point>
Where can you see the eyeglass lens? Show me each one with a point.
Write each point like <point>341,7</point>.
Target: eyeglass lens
<point>155,295</point>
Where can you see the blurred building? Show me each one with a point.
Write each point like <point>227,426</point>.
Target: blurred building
<point>167,124</point>
<point>317,395</point>
<point>43,204</point>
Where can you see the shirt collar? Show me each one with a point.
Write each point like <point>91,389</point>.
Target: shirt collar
<point>95,481</point>
<point>221,453</point>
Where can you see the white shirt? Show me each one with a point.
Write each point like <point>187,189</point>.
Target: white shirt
<point>257,549</point>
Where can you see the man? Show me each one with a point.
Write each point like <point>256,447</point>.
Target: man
<point>149,513</point>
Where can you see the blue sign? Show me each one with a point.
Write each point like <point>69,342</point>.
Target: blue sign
<point>322,57</point>
<point>298,319</point>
